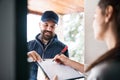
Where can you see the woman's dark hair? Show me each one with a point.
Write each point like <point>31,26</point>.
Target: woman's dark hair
<point>113,53</point>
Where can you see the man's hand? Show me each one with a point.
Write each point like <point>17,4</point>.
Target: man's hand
<point>34,56</point>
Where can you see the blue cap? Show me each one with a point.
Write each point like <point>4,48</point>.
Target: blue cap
<point>50,15</point>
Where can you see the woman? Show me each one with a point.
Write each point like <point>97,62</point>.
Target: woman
<point>106,27</point>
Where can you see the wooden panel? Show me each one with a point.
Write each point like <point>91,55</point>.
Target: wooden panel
<point>59,6</point>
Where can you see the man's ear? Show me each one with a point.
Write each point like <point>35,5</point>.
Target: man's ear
<point>108,13</point>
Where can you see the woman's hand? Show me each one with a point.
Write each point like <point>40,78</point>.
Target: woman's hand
<point>54,78</point>
<point>61,59</point>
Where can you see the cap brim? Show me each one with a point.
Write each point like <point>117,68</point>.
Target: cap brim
<point>44,20</point>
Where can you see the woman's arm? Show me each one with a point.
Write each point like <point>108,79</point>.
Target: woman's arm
<point>62,59</point>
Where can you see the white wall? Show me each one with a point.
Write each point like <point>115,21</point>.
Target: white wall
<point>93,48</point>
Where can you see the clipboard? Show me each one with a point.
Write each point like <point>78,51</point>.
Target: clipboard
<point>63,72</point>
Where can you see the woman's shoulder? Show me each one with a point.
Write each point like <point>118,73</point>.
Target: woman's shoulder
<point>108,70</point>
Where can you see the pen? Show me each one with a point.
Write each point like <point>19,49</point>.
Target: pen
<point>63,50</point>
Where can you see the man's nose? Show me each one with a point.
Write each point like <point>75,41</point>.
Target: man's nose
<point>49,28</point>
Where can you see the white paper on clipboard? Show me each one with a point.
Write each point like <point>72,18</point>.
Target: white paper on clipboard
<point>63,72</point>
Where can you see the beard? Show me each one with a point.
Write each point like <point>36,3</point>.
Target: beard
<point>47,35</point>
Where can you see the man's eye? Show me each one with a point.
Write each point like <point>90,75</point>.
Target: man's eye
<point>45,25</point>
<point>52,26</point>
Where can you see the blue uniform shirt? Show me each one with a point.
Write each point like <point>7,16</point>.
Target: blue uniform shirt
<point>53,48</point>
